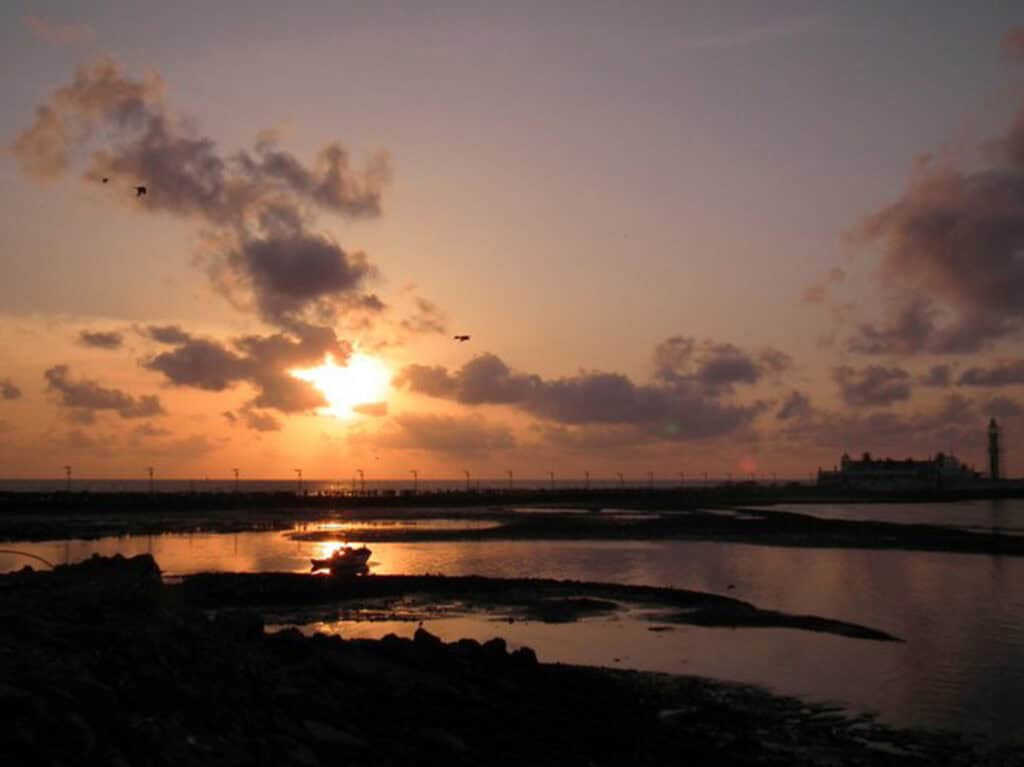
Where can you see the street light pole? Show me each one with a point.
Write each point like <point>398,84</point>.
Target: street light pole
<point>236,479</point>
<point>67,476</point>
<point>509,472</point>
<point>298,474</point>
<point>415,480</point>
<point>150,470</point>
<point>466,472</point>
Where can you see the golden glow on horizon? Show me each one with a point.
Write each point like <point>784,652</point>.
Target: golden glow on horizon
<point>364,380</point>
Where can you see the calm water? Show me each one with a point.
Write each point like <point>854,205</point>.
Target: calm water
<point>962,665</point>
<point>1003,515</point>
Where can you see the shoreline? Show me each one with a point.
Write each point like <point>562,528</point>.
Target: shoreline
<point>131,669</point>
<point>722,524</point>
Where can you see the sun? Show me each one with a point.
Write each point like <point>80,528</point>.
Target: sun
<point>363,380</point>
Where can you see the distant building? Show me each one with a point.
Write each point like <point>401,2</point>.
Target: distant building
<point>889,474</point>
<point>994,456</point>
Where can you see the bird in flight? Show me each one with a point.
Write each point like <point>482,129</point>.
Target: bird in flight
<point>106,180</point>
<point>139,191</point>
<point>461,338</point>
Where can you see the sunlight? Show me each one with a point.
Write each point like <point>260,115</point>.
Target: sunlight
<point>363,380</point>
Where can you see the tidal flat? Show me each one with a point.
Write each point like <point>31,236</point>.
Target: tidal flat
<point>104,662</point>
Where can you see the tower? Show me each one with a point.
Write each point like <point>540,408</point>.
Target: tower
<point>993,449</point>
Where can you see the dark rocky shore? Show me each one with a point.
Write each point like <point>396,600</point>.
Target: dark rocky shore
<point>102,663</point>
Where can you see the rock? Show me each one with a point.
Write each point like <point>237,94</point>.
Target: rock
<point>329,735</point>
<point>494,650</point>
<point>239,624</point>
<point>524,656</point>
<point>424,639</point>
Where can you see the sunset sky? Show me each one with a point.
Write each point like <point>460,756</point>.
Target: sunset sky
<point>683,236</point>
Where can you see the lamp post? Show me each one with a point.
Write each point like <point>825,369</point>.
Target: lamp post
<point>236,479</point>
<point>67,477</point>
<point>650,480</point>
<point>466,472</point>
<point>362,481</point>
<point>622,480</point>
<point>682,479</point>
<point>586,480</point>
<point>149,469</point>
<point>415,480</point>
<point>551,476</point>
<point>510,480</point>
<point>298,474</point>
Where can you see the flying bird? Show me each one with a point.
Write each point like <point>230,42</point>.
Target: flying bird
<point>139,191</point>
<point>106,180</point>
<point>461,338</point>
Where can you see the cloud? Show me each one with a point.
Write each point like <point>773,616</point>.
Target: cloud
<point>59,34</point>
<point>256,205</point>
<point>453,435</point>
<point>1013,44</point>
<point>951,248</point>
<point>88,396</point>
<point>873,385</point>
<point>260,421</point>
<point>376,409</point>
<point>956,421</point>
<point>715,368</point>
<point>1003,407</point>
<point>796,405</point>
<point>263,361</point>
<point>682,404</point>
<point>815,292</point>
<point>939,376</point>
<point>149,431</point>
<point>8,389</point>
<point>1004,373</point>
<point>165,334</point>
<point>101,339</point>
<point>426,318</point>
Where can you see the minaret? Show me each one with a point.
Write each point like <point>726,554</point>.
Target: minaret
<point>993,449</point>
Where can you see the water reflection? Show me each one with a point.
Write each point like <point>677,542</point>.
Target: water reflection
<point>962,616</point>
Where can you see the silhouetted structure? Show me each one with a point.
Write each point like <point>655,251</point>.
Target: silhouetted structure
<point>994,457</point>
<point>893,474</point>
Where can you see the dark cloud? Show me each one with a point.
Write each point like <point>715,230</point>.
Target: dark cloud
<point>939,376</point>
<point>101,339</point>
<point>682,404</point>
<point>1004,373</point>
<point>951,253</point>
<point>714,367</point>
<point>288,275</point>
<point>260,203</point>
<point>956,422</point>
<point>165,334</point>
<point>88,396</point>
<point>796,405</point>
<point>873,385</point>
<point>8,389</point>
<point>263,361</point>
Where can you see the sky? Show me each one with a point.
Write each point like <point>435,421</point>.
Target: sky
<point>682,237</point>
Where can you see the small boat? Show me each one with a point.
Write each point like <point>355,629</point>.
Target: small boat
<point>346,560</point>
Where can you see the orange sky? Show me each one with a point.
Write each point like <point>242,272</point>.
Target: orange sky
<point>686,239</point>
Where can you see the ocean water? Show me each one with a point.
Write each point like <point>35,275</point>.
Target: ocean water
<point>960,666</point>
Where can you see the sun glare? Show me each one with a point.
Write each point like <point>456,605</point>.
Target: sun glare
<point>363,380</point>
